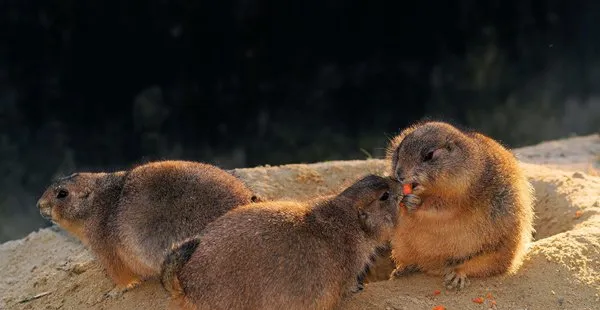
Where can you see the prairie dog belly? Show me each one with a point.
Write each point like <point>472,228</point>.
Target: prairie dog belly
<point>430,241</point>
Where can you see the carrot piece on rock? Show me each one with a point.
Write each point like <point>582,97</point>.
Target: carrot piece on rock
<point>478,300</point>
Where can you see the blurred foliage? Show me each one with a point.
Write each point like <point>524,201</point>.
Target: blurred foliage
<point>98,85</point>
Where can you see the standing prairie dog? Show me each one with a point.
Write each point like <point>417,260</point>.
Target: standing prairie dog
<point>284,254</point>
<point>129,219</point>
<point>475,214</point>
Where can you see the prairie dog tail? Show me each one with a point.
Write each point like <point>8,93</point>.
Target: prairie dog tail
<point>179,255</point>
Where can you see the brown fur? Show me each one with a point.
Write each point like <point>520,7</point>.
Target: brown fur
<point>285,254</point>
<point>475,217</point>
<point>129,219</point>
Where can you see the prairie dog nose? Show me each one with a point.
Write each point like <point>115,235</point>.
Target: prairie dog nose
<point>45,210</point>
<point>400,176</point>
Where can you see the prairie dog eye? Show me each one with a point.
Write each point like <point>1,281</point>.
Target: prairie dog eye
<point>62,194</point>
<point>428,156</point>
<point>385,196</point>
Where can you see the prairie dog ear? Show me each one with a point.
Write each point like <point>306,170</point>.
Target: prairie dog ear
<point>366,222</point>
<point>85,193</point>
<point>363,218</point>
<point>450,145</point>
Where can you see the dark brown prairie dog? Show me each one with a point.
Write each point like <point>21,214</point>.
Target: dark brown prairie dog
<point>475,215</point>
<point>129,219</point>
<point>284,254</point>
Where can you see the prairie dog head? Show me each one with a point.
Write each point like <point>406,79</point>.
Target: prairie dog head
<point>68,199</point>
<point>376,200</point>
<point>433,155</point>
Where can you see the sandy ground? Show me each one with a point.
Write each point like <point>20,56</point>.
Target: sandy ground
<point>573,154</point>
<point>50,270</point>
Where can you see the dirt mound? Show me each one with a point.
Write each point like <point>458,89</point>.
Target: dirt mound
<point>50,270</point>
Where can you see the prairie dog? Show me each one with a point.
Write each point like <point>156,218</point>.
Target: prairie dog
<point>476,205</point>
<point>129,219</point>
<point>285,254</point>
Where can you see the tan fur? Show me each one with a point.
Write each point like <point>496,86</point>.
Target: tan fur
<point>73,227</point>
<point>475,219</point>
<point>284,254</point>
<point>129,219</point>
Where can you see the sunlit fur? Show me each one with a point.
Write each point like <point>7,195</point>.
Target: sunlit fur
<point>129,219</point>
<point>285,254</point>
<point>476,214</point>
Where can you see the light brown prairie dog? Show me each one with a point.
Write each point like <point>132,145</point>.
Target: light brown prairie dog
<point>475,217</point>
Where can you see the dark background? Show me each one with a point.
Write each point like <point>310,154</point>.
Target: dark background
<point>104,84</point>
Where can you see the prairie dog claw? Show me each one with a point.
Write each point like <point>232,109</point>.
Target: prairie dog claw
<point>456,280</point>
<point>117,292</point>
<point>404,271</point>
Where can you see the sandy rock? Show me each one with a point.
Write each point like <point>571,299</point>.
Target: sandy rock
<point>578,153</point>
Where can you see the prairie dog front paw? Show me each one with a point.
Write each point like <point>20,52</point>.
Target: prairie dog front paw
<point>411,201</point>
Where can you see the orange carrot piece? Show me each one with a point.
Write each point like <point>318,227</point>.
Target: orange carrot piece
<point>440,307</point>
<point>478,300</point>
<point>406,189</point>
